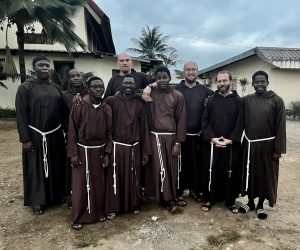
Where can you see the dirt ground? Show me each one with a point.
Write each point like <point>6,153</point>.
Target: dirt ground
<point>191,229</point>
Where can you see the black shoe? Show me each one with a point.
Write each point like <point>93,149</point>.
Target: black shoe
<point>37,210</point>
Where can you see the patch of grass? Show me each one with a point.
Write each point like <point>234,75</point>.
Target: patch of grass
<point>206,247</point>
<point>86,240</point>
<point>32,226</point>
<point>285,247</point>
<point>19,197</point>
<point>254,237</point>
<point>223,238</point>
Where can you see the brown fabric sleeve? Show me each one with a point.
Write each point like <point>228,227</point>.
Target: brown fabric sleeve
<point>280,127</point>
<point>22,113</point>
<point>180,118</point>
<point>108,147</point>
<point>73,131</point>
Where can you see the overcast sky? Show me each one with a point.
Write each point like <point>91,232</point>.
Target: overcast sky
<point>207,31</point>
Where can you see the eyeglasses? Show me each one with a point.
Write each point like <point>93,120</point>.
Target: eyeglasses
<point>192,70</point>
<point>223,81</point>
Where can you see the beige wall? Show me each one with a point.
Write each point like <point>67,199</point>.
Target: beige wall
<point>85,63</point>
<point>286,83</point>
<point>80,30</point>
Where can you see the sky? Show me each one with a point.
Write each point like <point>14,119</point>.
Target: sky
<point>206,31</point>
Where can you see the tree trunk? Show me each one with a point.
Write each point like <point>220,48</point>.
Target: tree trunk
<point>20,39</point>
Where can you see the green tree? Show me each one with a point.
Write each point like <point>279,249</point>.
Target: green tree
<point>54,16</point>
<point>152,44</point>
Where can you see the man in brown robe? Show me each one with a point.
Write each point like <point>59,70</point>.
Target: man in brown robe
<point>125,65</point>
<point>131,139</point>
<point>89,147</point>
<point>76,89</point>
<point>73,95</point>
<point>195,95</point>
<point>167,123</point>
<point>41,115</point>
<point>222,127</point>
<point>264,142</point>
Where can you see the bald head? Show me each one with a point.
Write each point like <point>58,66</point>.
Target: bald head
<point>190,72</point>
<point>125,63</point>
<point>190,64</point>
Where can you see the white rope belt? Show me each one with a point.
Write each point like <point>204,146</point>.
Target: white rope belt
<point>162,168</point>
<point>44,144</point>
<point>248,157</point>
<point>211,163</point>
<point>179,168</point>
<point>87,171</point>
<point>114,164</point>
<point>196,134</point>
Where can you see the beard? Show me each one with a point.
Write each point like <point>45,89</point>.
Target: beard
<point>190,81</point>
<point>223,89</point>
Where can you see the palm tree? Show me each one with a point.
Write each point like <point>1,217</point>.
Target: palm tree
<point>243,82</point>
<point>55,17</point>
<point>152,44</point>
<point>171,58</point>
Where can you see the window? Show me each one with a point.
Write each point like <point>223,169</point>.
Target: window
<point>62,68</point>
<point>2,62</point>
<point>234,84</point>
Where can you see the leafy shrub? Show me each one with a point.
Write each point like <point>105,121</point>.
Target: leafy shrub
<point>295,110</point>
<point>7,113</point>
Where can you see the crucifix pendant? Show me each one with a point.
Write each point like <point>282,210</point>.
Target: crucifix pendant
<point>230,171</point>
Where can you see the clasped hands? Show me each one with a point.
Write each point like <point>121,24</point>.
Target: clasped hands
<point>221,142</point>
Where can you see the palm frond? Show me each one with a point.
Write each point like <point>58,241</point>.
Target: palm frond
<point>2,85</point>
<point>152,44</point>
<point>10,69</point>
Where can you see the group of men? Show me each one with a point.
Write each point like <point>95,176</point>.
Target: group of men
<point>146,138</point>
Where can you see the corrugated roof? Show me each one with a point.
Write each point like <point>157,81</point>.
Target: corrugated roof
<point>281,54</point>
<point>288,58</point>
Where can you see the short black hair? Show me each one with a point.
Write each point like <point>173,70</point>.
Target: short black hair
<point>260,73</point>
<point>92,78</point>
<point>72,70</point>
<point>162,69</point>
<point>39,57</point>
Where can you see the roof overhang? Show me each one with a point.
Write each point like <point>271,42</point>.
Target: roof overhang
<point>283,58</point>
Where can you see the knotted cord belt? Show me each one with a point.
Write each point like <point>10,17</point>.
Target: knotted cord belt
<point>248,157</point>
<point>211,163</point>
<point>162,168</point>
<point>114,164</point>
<point>195,134</point>
<point>44,144</point>
<point>87,171</point>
